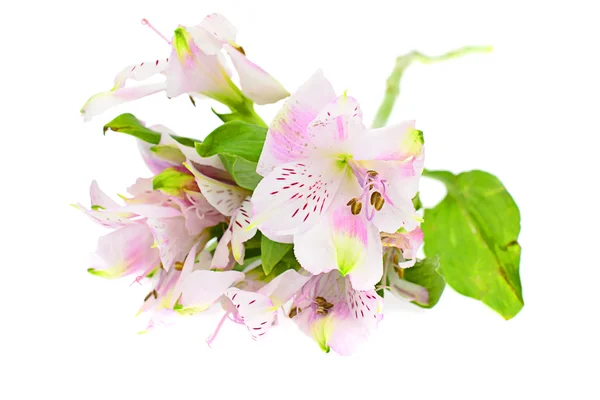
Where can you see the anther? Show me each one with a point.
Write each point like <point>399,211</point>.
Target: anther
<point>372,173</point>
<point>356,207</point>
<point>399,271</point>
<point>152,293</point>
<point>294,311</point>
<point>375,197</point>
<point>352,201</point>
<point>178,266</point>
<point>379,203</point>
<point>323,305</point>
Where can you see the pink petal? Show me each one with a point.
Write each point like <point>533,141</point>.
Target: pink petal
<point>119,94</point>
<point>201,289</point>
<point>395,142</point>
<point>287,135</point>
<point>294,196</point>
<point>224,197</point>
<point>338,128</point>
<point>99,198</point>
<point>255,309</point>
<point>284,287</point>
<point>172,239</point>
<point>256,83</point>
<point>127,250</point>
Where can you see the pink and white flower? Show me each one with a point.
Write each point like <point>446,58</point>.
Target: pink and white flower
<point>196,66</point>
<point>334,314</point>
<point>151,223</point>
<point>333,184</point>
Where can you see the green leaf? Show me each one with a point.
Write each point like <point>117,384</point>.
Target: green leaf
<point>241,170</point>
<point>130,125</point>
<point>248,116</point>
<point>254,242</point>
<point>272,252</point>
<point>172,182</point>
<point>235,138</point>
<point>417,202</point>
<point>424,273</point>
<point>474,232</point>
<point>217,231</point>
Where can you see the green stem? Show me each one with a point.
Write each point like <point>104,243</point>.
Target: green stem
<point>393,82</point>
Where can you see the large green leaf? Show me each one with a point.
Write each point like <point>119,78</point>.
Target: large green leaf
<point>272,252</point>
<point>474,232</point>
<point>234,138</point>
<point>130,125</point>
<point>242,171</point>
<point>424,274</point>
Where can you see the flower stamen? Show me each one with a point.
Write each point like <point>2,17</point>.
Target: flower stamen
<point>149,25</point>
<point>323,306</point>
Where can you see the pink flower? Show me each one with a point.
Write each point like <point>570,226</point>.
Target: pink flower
<point>334,314</point>
<point>333,184</point>
<point>196,66</point>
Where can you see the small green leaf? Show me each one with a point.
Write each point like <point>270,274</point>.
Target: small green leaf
<point>130,125</point>
<point>417,202</point>
<point>424,273</point>
<point>172,182</point>
<point>247,115</point>
<point>234,138</point>
<point>272,252</point>
<point>254,242</point>
<point>241,170</point>
<point>474,232</point>
<point>169,153</point>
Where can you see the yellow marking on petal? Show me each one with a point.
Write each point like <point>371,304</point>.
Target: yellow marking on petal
<point>122,196</point>
<point>236,252</point>
<point>349,253</point>
<point>155,244</point>
<point>418,218</point>
<point>192,309</point>
<point>413,143</point>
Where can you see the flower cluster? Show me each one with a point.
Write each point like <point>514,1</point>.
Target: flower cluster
<point>310,219</point>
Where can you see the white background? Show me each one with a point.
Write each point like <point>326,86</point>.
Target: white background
<point>527,112</point>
